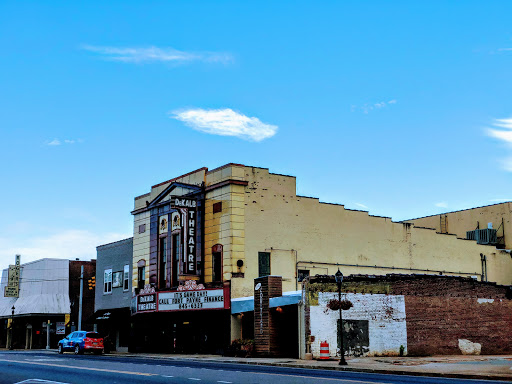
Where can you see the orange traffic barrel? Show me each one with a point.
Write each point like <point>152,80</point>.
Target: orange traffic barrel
<point>324,350</point>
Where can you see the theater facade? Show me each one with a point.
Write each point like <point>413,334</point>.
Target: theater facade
<point>201,240</point>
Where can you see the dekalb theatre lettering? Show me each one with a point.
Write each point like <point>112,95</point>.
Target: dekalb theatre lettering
<point>146,303</point>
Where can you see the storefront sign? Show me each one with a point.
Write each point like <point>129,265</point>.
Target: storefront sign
<point>61,328</point>
<point>190,246</point>
<point>13,279</point>
<point>184,300</point>
<point>178,202</point>
<point>146,303</point>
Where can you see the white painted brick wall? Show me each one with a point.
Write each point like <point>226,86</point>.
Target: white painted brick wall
<point>386,322</point>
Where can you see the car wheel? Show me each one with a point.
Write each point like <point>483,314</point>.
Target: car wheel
<point>78,351</point>
<point>61,350</point>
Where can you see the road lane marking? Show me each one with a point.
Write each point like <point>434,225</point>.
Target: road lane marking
<point>226,382</point>
<point>167,376</point>
<point>193,378</point>
<point>75,367</point>
<point>33,381</point>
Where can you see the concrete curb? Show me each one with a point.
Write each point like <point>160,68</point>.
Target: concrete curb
<point>328,368</point>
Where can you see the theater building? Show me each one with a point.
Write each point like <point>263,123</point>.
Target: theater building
<point>201,239</point>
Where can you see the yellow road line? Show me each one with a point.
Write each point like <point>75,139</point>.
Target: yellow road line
<point>83,368</point>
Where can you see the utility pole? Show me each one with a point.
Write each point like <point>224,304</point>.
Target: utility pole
<point>81,298</point>
<point>48,334</point>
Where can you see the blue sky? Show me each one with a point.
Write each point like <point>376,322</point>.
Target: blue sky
<point>400,108</point>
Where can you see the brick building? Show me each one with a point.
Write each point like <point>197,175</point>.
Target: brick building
<point>410,314</point>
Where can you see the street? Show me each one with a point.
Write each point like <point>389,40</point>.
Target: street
<point>48,367</point>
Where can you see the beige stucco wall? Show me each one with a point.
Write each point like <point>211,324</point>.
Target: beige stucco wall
<point>298,229</point>
<point>227,227</point>
<point>461,221</point>
<point>140,245</point>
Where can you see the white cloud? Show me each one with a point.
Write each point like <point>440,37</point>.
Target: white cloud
<point>156,54</point>
<point>501,134</point>
<point>441,205</point>
<point>502,130</point>
<point>361,205</point>
<point>367,108</point>
<point>56,142</point>
<point>69,244</point>
<point>225,122</point>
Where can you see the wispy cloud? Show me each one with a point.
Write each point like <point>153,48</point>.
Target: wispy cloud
<point>502,130</point>
<point>441,205</point>
<point>361,205</point>
<point>68,244</point>
<point>225,122</point>
<point>367,108</point>
<point>505,131</point>
<point>156,54</point>
<point>57,142</point>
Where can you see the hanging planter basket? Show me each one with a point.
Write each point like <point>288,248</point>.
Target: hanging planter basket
<point>335,305</point>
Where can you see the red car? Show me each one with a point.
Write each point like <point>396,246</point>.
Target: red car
<point>81,341</point>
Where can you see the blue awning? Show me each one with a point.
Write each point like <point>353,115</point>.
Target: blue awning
<point>288,298</point>
<point>246,304</point>
<point>242,304</point>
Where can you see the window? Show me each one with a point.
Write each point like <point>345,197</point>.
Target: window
<point>217,262</point>
<point>126,278</point>
<point>107,281</point>
<point>263,264</point>
<point>162,263</point>
<point>142,228</point>
<point>141,274</point>
<point>217,207</point>
<point>302,274</point>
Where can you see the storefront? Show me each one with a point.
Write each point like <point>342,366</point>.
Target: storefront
<point>191,319</point>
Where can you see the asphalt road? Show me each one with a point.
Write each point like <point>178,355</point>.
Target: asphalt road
<point>41,367</point>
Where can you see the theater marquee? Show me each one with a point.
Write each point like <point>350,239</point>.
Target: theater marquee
<point>203,299</point>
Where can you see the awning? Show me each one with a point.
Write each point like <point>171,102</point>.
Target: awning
<point>242,304</point>
<point>288,298</point>
<point>246,304</point>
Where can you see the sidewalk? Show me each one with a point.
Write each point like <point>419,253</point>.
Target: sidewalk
<point>467,367</point>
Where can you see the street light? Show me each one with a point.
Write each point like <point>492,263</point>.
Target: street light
<point>12,330</point>
<point>339,279</point>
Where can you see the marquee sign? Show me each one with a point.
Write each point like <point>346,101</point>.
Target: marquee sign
<point>204,299</point>
<point>182,301</point>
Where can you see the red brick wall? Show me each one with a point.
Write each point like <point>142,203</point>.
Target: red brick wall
<point>266,337</point>
<point>441,310</point>
<point>436,323</point>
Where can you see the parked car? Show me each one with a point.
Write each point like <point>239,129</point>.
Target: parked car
<point>81,341</point>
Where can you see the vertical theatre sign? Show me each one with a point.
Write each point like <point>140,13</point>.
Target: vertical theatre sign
<point>12,288</point>
<point>189,256</point>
